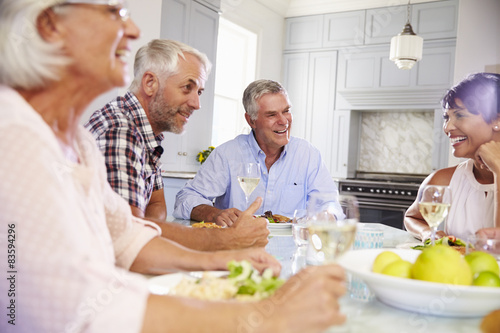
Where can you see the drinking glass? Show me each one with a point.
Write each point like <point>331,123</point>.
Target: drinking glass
<point>434,204</point>
<point>248,178</point>
<point>299,227</point>
<point>332,222</point>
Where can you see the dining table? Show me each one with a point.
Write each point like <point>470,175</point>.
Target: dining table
<point>366,314</point>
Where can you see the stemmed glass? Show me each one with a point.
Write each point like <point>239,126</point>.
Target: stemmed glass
<point>248,178</point>
<point>331,226</point>
<point>434,204</point>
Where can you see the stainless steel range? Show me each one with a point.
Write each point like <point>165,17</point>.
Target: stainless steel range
<point>383,197</point>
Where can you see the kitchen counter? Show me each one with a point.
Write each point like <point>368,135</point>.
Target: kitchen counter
<point>183,175</point>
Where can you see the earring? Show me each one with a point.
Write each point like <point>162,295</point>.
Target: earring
<point>495,127</point>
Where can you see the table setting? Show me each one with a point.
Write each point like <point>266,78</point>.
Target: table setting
<point>376,302</point>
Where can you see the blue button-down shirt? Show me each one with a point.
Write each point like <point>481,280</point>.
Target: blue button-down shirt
<point>297,173</point>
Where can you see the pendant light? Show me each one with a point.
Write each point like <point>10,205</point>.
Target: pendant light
<point>406,48</point>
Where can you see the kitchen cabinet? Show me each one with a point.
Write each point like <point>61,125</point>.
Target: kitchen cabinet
<point>171,186</point>
<point>345,132</point>
<point>310,82</point>
<point>341,29</point>
<point>327,100</point>
<point>367,79</point>
<point>304,32</point>
<point>195,23</point>
<point>431,21</point>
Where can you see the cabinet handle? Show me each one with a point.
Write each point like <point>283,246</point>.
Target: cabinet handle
<point>179,153</point>
<point>184,154</point>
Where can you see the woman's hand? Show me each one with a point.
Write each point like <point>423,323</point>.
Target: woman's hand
<point>488,156</point>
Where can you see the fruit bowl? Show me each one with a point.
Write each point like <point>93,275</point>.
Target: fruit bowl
<point>424,297</point>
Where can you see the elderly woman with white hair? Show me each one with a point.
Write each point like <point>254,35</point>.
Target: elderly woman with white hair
<point>70,241</point>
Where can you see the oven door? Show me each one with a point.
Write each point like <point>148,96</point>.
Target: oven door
<point>382,211</point>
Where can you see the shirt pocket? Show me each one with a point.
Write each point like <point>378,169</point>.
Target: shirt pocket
<point>292,198</point>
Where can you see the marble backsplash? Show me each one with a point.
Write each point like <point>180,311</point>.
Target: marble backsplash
<point>396,142</point>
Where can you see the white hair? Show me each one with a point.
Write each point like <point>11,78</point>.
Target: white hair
<point>27,60</point>
<point>161,56</point>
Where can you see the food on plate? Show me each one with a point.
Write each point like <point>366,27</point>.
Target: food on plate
<point>242,283</point>
<point>203,224</point>
<point>275,218</point>
<point>452,241</point>
<point>442,264</point>
<point>481,261</point>
<point>383,259</point>
<point>400,268</point>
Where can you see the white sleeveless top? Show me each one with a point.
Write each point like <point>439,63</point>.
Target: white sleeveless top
<point>473,204</point>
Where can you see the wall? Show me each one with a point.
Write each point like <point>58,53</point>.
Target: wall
<point>268,24</point>
<point>478,42</point>
<point>396,142</point>
<point>148,19</point>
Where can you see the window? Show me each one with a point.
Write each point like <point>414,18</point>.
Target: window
<point>236,63</point>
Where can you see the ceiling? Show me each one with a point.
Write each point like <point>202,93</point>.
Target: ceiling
<point>290,8</point>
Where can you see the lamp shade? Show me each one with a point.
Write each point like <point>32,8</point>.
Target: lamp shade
<point>406,49</point>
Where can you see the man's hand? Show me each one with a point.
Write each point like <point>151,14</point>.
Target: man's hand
<point>249,231</point>
<point>227,217</point>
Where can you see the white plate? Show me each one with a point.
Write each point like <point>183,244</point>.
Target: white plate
<point>420,296</point>
<point>162,284</point>
<point>279,225</point>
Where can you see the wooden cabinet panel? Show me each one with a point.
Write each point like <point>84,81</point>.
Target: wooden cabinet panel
<point>197,25</point>
<point>342,29</point>
<point>435,20</point>
<point>304,32</point>
<point>384,23</point>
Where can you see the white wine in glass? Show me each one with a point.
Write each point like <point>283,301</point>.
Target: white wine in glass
<point>249,178</point>
<point>332,228</point>
<point>434,205</point>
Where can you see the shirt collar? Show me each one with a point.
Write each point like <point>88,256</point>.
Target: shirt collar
<point>139,117</point>
<point>255,148</point>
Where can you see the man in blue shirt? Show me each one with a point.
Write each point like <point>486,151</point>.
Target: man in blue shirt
<point>291,168</point>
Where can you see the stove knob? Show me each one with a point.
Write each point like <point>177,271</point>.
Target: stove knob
<point>372,190</point>
<point>378,191</point>
<point>390,191</point>
<point>384,191</point>
<point>360,189</point>
<point>396,192</point>
<point>348,188</point>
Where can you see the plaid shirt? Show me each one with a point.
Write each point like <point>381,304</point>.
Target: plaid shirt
<point>131,151</point>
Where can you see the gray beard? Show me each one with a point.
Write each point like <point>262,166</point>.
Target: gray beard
<point>163,116</point>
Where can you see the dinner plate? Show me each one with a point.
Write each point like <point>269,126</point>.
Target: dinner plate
<point>424,297</point>
<point>279,225</point>
<point>163,284</point>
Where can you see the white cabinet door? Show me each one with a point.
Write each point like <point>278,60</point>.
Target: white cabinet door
<point>345,143</point>
<point>309,78</point>
<point>197,25</point>
<point>321,101</point>
<point>343,29</point>
<point>304,32</point>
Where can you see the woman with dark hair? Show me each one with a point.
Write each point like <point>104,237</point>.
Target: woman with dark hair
<point>472,122</point>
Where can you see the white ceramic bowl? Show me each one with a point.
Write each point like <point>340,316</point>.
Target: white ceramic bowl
<point>420,296</point>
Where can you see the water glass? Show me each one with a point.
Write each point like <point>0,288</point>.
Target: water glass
<point>299,227</point>
<point>368,237</point>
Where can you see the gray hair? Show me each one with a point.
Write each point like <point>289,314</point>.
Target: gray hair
<point>161,56</point>
<point>256,90</point>
<point>28,61</point>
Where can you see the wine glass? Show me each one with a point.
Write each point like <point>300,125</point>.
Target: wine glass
<point>248,178</point>
<point>332,222</point>
<point>434,204</point>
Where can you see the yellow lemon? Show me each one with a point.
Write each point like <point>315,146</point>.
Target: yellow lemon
<point>487,279</point>
<point>383,259</point>
<point>400,268</point>
<point>481,261</point>
<point>442,264</point>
